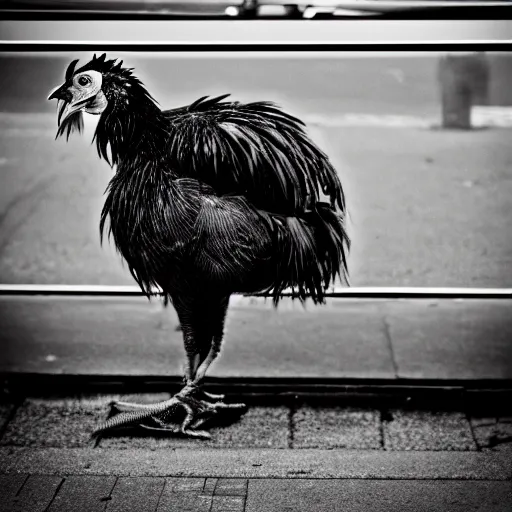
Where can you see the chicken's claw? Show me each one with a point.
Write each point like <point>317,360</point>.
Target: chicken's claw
<point>175,429</point>
<point>199,407</point>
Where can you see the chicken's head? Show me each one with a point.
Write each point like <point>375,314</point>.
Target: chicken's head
<point>88,89</point>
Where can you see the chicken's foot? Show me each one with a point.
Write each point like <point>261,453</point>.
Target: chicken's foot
<point>199,407</point>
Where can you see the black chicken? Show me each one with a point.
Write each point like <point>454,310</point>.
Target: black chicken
<point>207,200</point>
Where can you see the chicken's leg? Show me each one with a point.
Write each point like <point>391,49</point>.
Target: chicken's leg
<point>202,346</point>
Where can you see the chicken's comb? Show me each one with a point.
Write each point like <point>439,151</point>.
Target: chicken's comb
<point>71,70</point>
<point>103,65</point>
<point>101,58</point>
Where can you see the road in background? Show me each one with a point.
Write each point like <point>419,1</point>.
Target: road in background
<point>428,207</point>
<point>305,85</point>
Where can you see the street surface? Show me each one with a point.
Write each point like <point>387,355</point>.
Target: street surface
<point>369,339</point>
<point>427,207</point>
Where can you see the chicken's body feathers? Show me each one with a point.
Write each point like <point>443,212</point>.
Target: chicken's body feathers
<point>225,194</point>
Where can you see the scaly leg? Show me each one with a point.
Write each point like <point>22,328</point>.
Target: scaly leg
<point>190,338</point>
<point>199,405</point>
<point>201,372</point>
<point>191,365</point>
<point>217,328</point>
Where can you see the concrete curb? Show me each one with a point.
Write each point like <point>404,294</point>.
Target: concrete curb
<point>490,395</point>
<point>259,463</point>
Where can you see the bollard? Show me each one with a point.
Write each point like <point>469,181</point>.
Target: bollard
<point>464,82</point>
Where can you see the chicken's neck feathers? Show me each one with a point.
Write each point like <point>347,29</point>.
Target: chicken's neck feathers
<point>132,127</point>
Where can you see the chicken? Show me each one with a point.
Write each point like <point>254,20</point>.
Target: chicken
<point>207,200</point>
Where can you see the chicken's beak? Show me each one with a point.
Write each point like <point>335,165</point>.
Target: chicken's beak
<point>70,101</point>
<point>58,93</point>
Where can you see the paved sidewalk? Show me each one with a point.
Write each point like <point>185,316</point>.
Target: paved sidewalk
<point>481,117</point>
<point>347,338</point>
<point>158,494</point>
<point>303,456</point>
<point>308,423</point>
<point>253,480</point>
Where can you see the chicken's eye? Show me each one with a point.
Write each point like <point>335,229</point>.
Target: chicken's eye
<point>84,80</point>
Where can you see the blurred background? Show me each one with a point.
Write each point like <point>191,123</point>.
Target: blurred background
<point>299,9</point>
<point>421,142</point>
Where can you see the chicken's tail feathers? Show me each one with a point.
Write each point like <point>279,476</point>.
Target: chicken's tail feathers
<point>312,252</point>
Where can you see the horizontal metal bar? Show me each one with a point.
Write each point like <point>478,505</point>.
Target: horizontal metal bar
<point>385,6</point>
<point>220,6</point>
<point>335,292</point>
<point>499,10</point>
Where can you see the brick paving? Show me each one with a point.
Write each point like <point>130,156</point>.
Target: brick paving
<point>336,427</point>
<point>377,496</point>
<point>27,493</point>
<point>24,493</point>
<point>420,430</point>
<point>64,423</point>
<point>493,434</point>
<point>68,422</point>
<point>260,427</point>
